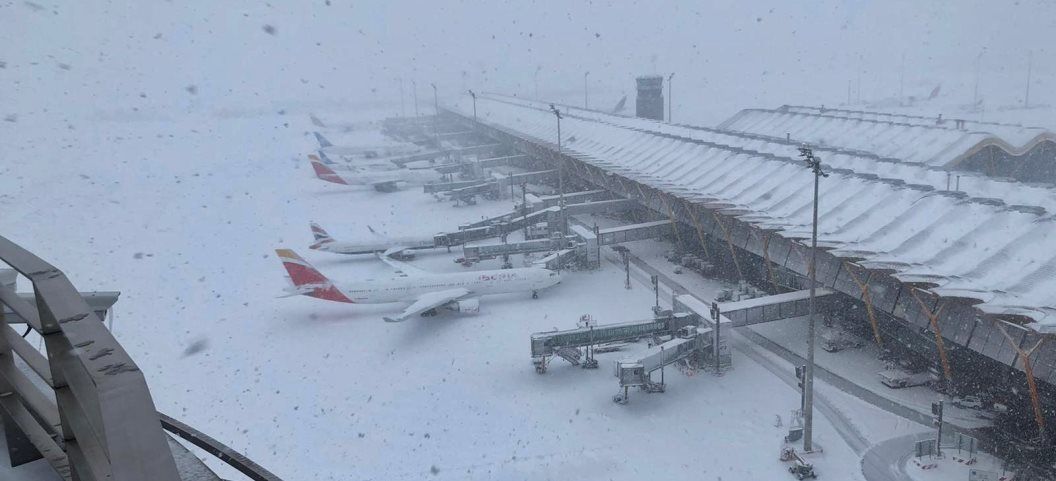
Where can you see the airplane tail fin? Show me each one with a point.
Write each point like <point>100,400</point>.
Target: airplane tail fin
<point>307,280</point>
<point>324,172</point>
<point>325,159</point>
<point>321,236</point>
<point>323,143</point>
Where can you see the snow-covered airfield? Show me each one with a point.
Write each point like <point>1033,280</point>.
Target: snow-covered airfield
<point>186,228</point>
<point>142,151</point>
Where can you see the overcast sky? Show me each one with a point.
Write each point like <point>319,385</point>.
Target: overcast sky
<point>726,54</point>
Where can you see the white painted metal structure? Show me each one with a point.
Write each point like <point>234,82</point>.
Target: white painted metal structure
<point>931,141</point>
<point>989,249</point>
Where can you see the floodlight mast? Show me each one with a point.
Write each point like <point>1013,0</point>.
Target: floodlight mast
<point>814,164</point>
<point>560,172</point>
<point>436,118</point>
<point>474,95</point>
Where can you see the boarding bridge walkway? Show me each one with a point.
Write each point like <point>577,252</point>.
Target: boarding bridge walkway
<point>546,344</point>
<point>755,311</point>
<point>540,211</point>
<point>534,203</point>
<point>496,183</point>
<point>483,149</point>
<point>633,232</point>
<point>480,164</point>
<point>544,201</point>
<point>637,372</point>
<point>583,240</point>
<point>474,253</point>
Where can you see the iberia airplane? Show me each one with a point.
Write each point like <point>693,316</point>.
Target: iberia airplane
<point>423,292</point>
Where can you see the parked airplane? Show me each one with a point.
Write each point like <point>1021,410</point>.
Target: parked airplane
<point>356,165</point>
<point>394,248</point>
<point>424,292</point>
<point>382,180</point>
<point>366,151</point>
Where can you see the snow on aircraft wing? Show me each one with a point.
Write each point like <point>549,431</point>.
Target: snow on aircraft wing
<point>429,300</point>
<point>393,251</point>
<point>402,269</point>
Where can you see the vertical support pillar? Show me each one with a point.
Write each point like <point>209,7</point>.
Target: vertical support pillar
<point>1028,369</point>
<point>867,297</point>
<point>729,242</point>
<point>933,317</point>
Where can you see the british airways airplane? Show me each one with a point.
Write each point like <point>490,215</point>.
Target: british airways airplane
<point>396,248</point>
<point>423,292</point>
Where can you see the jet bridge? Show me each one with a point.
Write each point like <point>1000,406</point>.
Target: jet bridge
<point>757,310</point>
<point>692,341</point>
<point>546,344</point>
<point>544,201</point>
<point>481,163</point>
<point>449,239</point>
<point>437,187</point>
<point>633,232</point>
<point>483,149</point>
<point>512,221</point>
<point>474,253</point>
<point>498,182</point>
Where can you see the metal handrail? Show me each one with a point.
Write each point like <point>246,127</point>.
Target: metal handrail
<point>219,450</point>
<point>96,419</point>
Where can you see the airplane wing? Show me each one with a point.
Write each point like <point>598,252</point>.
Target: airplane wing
<point>402,268</point>
<point>430,300</point>
<point>391,251</point>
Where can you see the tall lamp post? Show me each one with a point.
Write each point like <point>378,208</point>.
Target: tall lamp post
<point>403,111</point>
<point>436,118</point>
<point>474,95</point>
<point>586,105</point>
<point>814,164</point>
<point>669,77</point>
<point>414,93</point>
<point>560,172</point>
<point>535,78</point>
<point>978,62</point>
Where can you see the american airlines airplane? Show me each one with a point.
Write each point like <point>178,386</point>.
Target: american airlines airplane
<point>395,248</point>
<point>424,292</point>
<point>382,181</point>
<point>355,165</point>
<point>366,151</point>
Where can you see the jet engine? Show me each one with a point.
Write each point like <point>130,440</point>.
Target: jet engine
<point>470,306</point>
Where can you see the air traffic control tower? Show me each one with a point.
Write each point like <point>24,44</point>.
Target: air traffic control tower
<point>650,102</point>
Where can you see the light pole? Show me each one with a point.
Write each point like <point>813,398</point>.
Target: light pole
<point>1030,64</point>
<point>902,79</point>
<point>414,93</point>
<point>586,105</point>
<point>436,118</point>
<point>535,78</point>
<point>560,172</point>
<point>403,111</point>
<point>471,94</point>
<point>814,164</point>
<point>978,63</point>
<point>669,77</point>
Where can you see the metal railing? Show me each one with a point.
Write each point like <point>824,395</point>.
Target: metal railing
<point>90,414</point>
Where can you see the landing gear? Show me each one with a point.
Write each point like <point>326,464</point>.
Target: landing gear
<point>429,313</point>
<point>535,294</point>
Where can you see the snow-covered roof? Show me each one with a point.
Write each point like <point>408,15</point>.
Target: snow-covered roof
<point>991,242</point>
<point>931,141</point>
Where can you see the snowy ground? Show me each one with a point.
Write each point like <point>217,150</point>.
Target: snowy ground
<point>183,215</point>
<point>952,467</point>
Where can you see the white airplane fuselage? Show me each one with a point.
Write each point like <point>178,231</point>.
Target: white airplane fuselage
<point>407,289</point>
<point>342,247</point>
<point>400,175</point>
<point>378,151</point>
